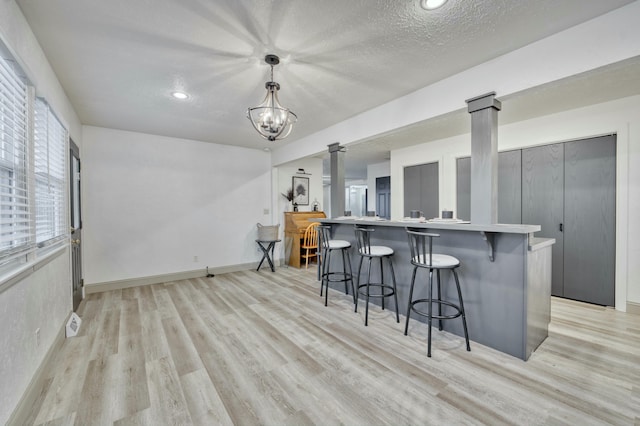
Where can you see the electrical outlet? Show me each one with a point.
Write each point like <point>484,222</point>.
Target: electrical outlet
<point>265,211</point>
<point>195,259</point>
<point>37,337</point>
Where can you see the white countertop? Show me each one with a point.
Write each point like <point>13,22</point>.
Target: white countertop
<point>498,227</point>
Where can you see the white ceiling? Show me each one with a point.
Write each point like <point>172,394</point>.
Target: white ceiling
<point>119,60</point>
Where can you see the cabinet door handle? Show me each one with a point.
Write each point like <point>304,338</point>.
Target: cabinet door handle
<point>561,228</point>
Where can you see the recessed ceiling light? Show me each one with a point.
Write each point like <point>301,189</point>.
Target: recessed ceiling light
<point>432,4</point>
<point>179,95</point>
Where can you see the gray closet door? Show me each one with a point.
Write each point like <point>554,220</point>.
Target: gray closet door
<point>463,188</point>
<point>542,201</point>
<point>590,226</point>
<point>430,196</point>
<point>509,187</point>
<point>421,189</point>
<point>411,189</point>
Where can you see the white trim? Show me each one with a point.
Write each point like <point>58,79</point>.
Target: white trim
<point>633,308</point>
<point>158,279</point>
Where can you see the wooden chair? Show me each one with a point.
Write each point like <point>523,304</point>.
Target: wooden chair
<point>310,243</point>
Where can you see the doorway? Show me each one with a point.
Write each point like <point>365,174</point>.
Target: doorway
<point>570,190</point>
<point>76,224</point>
<point>383,197</point>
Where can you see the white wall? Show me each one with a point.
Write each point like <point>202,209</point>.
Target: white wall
<point>152,203</point>
<point>375,171</point>
<point>283,180</point>
<point>621,117</point>
<point>43,299</point>
<point>285,174</point>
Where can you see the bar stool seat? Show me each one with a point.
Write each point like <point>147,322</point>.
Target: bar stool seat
<point>379,251</point>
<point>422,256</point>
<point>367,251</point>
<point>439,261</point>
<point>339,244</point>
<point>328,246</point>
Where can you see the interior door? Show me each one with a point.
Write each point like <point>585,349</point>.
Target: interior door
<point>383,197</point>
<point>590,220</point>
<point>543,202</point>
<point>76,224</point>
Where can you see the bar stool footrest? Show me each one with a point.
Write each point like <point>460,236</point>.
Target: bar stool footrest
<point>434,315</point>
<point>382,288</point>
<point>329,275</point>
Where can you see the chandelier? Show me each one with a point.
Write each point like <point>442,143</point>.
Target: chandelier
<point>271,119</point>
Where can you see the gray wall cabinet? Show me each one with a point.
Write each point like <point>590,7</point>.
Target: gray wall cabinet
<point>421,189</point>
<point>569,190</point>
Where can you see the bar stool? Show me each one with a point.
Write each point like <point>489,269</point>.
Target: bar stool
<point>366,250</point>
<point>420,244</point>
<point>328,246</point>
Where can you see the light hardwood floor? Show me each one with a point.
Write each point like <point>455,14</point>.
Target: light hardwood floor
<point>253,348</point>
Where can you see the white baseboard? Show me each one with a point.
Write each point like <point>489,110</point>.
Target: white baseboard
<point>633,308</point>
<point>31,394</point>
<point>158,279</point>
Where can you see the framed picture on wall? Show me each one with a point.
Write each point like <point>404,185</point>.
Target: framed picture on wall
<point>300,187</point>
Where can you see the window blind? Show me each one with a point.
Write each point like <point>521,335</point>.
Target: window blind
<point>50,145</point>
<point>15,217</point>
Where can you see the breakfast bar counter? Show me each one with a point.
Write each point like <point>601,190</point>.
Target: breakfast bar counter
<point>505,275</point>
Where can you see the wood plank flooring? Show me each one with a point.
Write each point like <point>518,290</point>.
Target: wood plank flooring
<point>252,348</point>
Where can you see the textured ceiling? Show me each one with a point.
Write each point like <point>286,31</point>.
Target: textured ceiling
<point>119,60</point>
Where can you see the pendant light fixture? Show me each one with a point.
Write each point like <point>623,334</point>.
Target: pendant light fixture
<point>271,119</point>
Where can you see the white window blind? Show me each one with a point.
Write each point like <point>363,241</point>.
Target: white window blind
<point>15,218</point>
<point>50,146</point>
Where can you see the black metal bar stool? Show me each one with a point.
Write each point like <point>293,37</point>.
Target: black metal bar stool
<point>366,250</point>
<point>328,246</point>
<point>420,244</point>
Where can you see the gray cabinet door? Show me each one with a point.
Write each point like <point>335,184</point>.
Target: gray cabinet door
<point>411,189</point>
<point>421,189</point>
<point>463,188</point>
<point>590,226</point>
<point>543,201</point>
<point>509,187</point>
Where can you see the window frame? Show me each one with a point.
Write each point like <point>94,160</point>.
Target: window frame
<point>32,252</point>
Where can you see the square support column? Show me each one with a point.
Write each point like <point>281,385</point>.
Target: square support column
<point>484,158</point>
<point>337,179</point>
